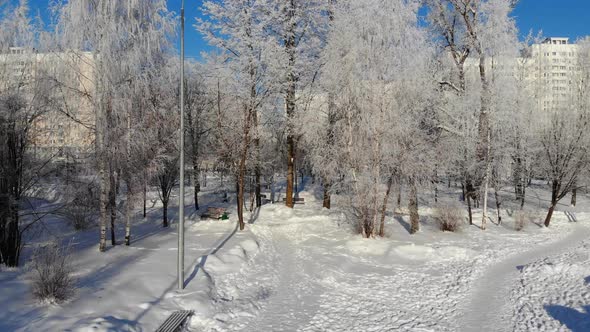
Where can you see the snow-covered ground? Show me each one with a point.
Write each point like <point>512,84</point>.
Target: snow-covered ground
<point>305,270</point>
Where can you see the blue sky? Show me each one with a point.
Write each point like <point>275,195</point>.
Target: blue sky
<point>556,18</point>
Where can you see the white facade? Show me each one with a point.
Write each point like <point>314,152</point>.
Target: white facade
<point>555,64</point>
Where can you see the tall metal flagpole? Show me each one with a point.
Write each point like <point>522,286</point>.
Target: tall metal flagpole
<point>181,195</point>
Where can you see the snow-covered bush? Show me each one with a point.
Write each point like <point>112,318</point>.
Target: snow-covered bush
<point>52,274</point>
<point>449,218</point>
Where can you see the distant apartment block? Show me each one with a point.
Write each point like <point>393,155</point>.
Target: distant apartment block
<point>549,72</point>
<point>64,129</point>
<point>556,64</point>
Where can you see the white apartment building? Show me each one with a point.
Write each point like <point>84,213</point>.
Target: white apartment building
<point>65,127</point>
<point>549,72</point>
<point>554,66</point>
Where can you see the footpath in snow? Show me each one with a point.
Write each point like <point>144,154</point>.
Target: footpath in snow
<point>499,298</point>
<point>312,275</point>
<point>303,269</point>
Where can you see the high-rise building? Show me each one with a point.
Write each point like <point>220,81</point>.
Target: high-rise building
<point>555,66</point>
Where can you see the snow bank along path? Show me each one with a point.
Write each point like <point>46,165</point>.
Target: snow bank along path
<point>491,307</point>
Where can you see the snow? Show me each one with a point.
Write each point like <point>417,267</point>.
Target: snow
<point>305,270</point>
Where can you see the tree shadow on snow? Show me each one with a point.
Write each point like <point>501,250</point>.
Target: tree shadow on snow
<point>201,265</point>
<point>571,217</point>
<point>402,222</point>
<point>110,323</point>
<point>573,319</point>
<point>254,215</point>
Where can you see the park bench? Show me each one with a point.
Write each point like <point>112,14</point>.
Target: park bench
<point>296,200</point>
<point>175,321</point>
<point>214,213</point>
<point>265,199</point>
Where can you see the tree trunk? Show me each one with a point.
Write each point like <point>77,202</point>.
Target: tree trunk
<point>10,246</point>
<point>296,189</point>
<point>463,194</point>
<point>518,177</point>
<point>368,224</point>
<point>498,203</point>
<point>256,141</point>
<point>554,192</point>
<point>486,181</point>
<point>290,45</point>
<point>290,171</point>
<point>240,199</point>
<point>483,144</point>
<point>413,206</point>
<point>165,212</point>
<point>104,203</point>
<point>128,211</point>
<point>272,187</point>
<point>144,196</point>
<point>469,212</point>
<point>574,195</point>
<point>113,205</point>
<point>435,183</point>
<point>384,207</point>
<point>252,196</point>
<point>129,199</point>
<point>399,191</point>
<point>327,200</point>
<point>549,214</point>
<point>102,123</point>
<point>196,176</point>
<point>242,168</point>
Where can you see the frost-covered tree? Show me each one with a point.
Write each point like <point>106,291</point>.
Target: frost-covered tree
<point>378,75</point>
<point>476,29</point>
<point>566,136</point>
<point>198,109</point>
<point>298,27</point>
<point>239,29</point>
<point>126,39</point>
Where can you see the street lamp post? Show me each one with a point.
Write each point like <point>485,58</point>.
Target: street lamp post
<point>181,194</point>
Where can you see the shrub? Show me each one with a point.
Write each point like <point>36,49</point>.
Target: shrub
<point>52,274</point>
<point>82,207</point>
<point>448,218</point>
<point>80,216</point>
